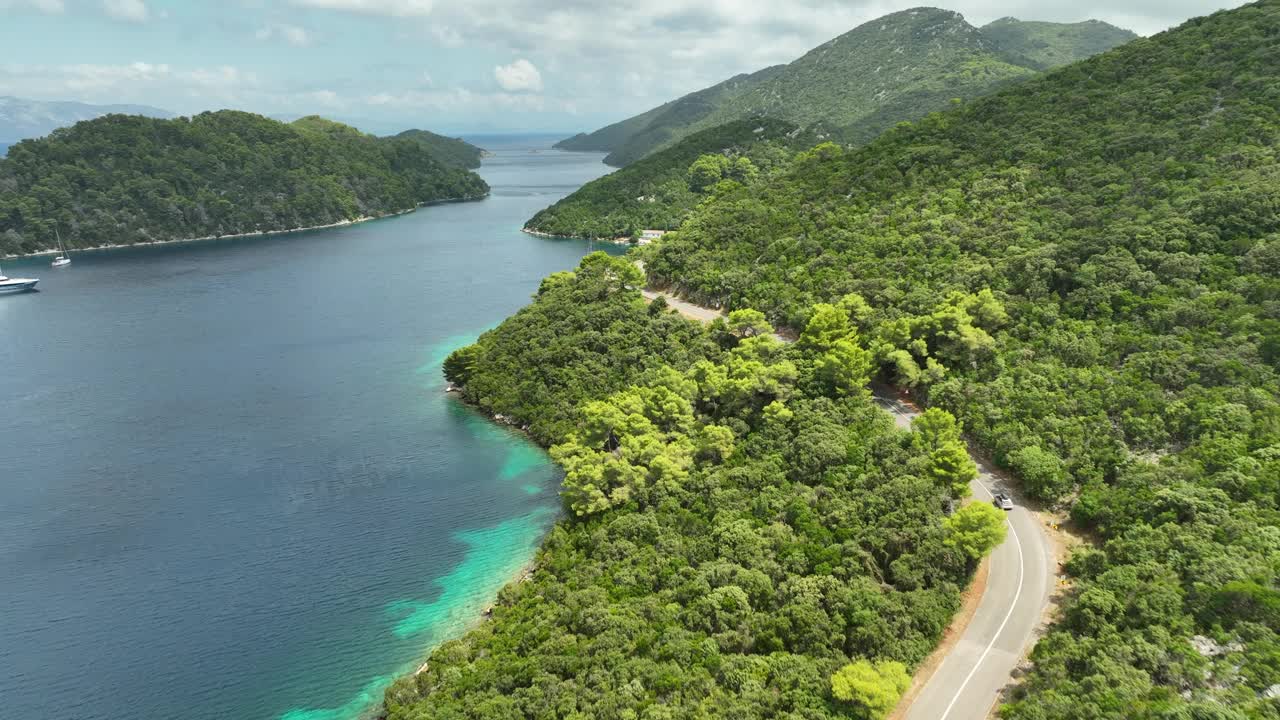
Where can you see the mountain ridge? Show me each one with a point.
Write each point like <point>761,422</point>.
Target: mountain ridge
<point>1049,45</point>
<point>23,119</point>
<point>896,67</point>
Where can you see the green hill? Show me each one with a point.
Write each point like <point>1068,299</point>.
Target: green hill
<point>657,192</point>
<point>128,179</point>
<point>451,151</point>
<point>898,67</point>
<point>632,139</point>
<point>651,193</point>
<point>1049,45</point>
<point>1125,212</point>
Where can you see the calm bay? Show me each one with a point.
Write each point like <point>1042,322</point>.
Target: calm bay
<point>231,485</point>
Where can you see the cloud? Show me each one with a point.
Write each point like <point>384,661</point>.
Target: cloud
<point>460,100</point>
<point>222,85</point>
<point>128,10</point>
<point>606,60</point>
<point>49,7</point>
<point>328,98</point>
<point>446,36</point>
<point>392,8</point>
<point>519,75</point>
<point>291,34</point>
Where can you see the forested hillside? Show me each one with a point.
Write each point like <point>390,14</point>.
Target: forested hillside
<point>628,140</point>
<point>1048,45</point>
<point>938,57</point>
<point>126,179</point>
<point>748,535</point>
<point>898,67</point>
<point>659,191</point>
<point>1125,213</point>
<point>451,151</point>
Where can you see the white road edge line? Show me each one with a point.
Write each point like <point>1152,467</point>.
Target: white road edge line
<point>1022,568</point>
<point>1021,574</point>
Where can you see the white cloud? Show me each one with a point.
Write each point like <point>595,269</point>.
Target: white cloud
<point>328,98</point>
<point>519,75</point>
<point>393,8</point>
<point>291,34</point>
<point>207,87</point>
<point>460,100</point>
<point>446,36</point>
<point>50,7</point>
<point>606,60</point>
<point>128,10</point>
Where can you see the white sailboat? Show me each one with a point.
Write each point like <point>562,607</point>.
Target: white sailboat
<point>16,285</point>
<point>63,258</point>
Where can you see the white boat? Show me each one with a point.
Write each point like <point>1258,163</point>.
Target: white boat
<point>16,285</point>
<point>63,258</point>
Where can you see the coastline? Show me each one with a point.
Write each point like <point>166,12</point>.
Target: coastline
<point>539,233</point>
<point>258,233</point>
<point>522,574</point>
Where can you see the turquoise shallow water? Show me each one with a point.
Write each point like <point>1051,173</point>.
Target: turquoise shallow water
<point>231,484</point>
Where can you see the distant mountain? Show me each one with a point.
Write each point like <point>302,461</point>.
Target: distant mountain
<point>21,119</point>
<point>899,67</point>
<point>1049,45</point>
<point>632,138</point>
<point>451,151</point>
<point>120,179</point>
<point>657,191</point>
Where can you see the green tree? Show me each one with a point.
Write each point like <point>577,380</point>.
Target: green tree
<point>844,368</point>
<point>706,171</point>
<point>975,529</point>
<point>747,323</point>
<point>459,365</point>
<point>934,428</point>
<point>951,467</point>
<point>1041,471</point>
<point>872,687</point>
<point>827,324</point>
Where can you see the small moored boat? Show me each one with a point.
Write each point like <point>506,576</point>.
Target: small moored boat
<point>63,258</point>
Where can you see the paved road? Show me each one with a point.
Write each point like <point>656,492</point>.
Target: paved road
<point>967,683</point>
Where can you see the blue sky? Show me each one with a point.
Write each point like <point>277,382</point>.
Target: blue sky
<point>474,66</point>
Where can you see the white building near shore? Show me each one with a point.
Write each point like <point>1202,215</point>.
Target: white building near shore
<point>648,236</point>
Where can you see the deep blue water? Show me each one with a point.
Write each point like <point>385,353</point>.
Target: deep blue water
<point>230,483</point>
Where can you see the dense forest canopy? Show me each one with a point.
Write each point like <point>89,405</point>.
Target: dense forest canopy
<point>659,191</point>
<point>1124,214</point>
<point>451,151</point>
<point>897,67</point>
<point>124,179</point>
<point>748,535</point>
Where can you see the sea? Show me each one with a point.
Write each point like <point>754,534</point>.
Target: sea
<point>231,483</point>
